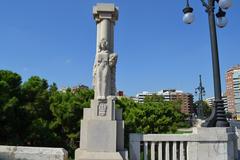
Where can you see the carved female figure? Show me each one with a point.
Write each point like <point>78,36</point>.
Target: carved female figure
<point>102,72</point>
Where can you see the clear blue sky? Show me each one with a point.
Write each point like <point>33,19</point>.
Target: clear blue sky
<point>55,39</point>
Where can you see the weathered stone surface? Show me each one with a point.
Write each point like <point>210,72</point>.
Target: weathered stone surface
<point>102,136</point>
<point>32,153</point>
<point>102,128</point>
<point>118,114</point>
<point>103,109</point>
<point>84,155</point>
<point>120,135</point>
<point>203,144</point>
<point>104,69</point>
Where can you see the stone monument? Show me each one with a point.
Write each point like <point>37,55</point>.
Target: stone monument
<point>102,127</point>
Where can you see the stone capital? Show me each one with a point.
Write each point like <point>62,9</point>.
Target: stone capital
<point>105,11</point>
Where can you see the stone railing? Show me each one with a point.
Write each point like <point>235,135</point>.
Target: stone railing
<point>202,144</point>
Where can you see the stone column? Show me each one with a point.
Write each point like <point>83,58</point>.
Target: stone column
<point>105,16</point>
<point>104,83</point>
<point>102,127</point>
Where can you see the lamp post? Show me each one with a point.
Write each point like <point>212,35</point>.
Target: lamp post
<point>218,115</point>
<point>200,91</point>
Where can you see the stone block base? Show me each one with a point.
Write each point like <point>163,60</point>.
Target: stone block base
<point>32,153</point>
<point>102,132</point>
<point>101,136</point>
<point>84,155</point>
<point>214,144</point>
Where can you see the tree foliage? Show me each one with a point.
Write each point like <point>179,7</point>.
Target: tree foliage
<point>205,108</point>
<point>153,116</point>
<point>35,113</point>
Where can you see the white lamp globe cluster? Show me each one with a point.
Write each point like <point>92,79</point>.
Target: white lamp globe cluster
<point>225,4</point>
<point>222,21</point>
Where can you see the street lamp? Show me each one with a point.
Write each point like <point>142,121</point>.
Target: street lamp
<point>218,116</point>
<point>188,15</point>
<point>200,91</point>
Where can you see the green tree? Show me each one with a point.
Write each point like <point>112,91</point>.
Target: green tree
<point>157,116</point>
<point>205,107</point>
<point>9,86</point>
<point>35,94</point>
<point>36,101</point>
<point>67,109</point>
<point>35,113</point>
<point>10,112</point>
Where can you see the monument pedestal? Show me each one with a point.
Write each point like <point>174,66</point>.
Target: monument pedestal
<point>102,127</point>
<point>85,155</point>
<point>102,132</point>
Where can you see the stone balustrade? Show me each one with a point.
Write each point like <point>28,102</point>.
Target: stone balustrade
<point>202,144</point>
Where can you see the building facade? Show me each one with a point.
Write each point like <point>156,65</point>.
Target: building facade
<point>140,96</point>
<point>171,95</point>
<point>210,101</point>
<point>233,90</point>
